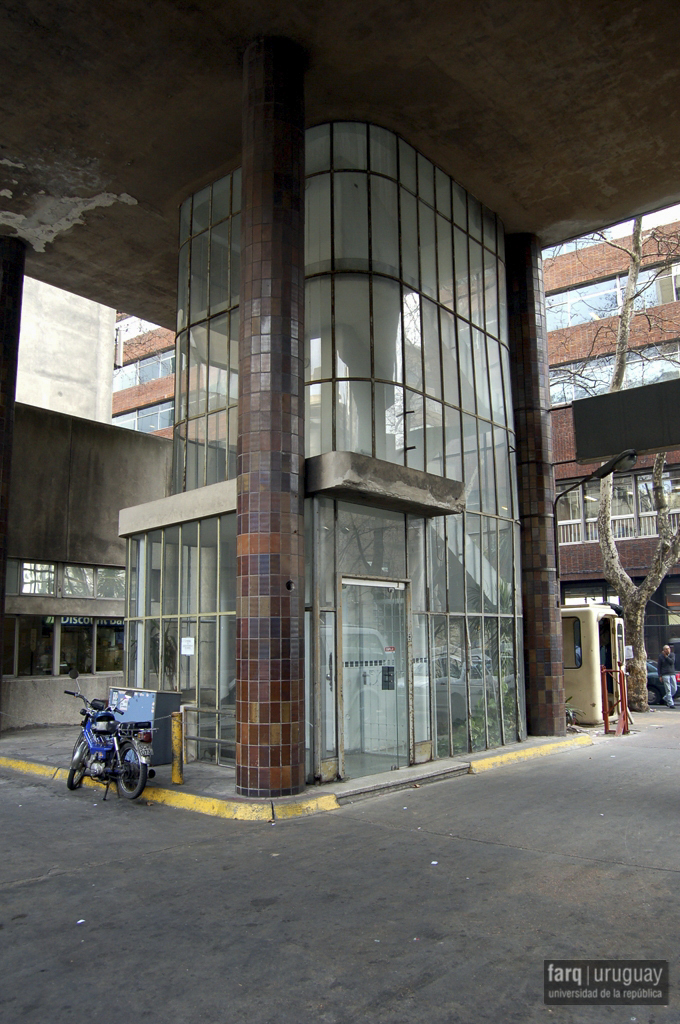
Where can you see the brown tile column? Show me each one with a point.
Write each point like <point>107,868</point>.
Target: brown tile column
<point>531,397</point>
<point>270,542</point>
<point>12,258</point>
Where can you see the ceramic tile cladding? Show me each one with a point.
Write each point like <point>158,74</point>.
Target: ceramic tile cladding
<point>12,257</point>
<point>270,534</point>
<point>531,395</point>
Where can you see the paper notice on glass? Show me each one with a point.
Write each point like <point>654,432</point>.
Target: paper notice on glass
<point>629,652</point>
<point>188,644</point>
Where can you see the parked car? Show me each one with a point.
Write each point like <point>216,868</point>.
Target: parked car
<point>655,688</point>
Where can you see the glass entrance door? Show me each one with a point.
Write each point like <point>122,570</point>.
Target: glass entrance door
<point>374,677</point>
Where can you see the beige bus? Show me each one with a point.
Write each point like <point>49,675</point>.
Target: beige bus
<point>592,637</point>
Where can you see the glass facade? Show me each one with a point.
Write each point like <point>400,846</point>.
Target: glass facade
<point>413,627</point>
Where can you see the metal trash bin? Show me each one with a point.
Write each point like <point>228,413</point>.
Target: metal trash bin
<point>155,706</point>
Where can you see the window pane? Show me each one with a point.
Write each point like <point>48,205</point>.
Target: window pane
<point>371,542</point>
<point>383,151</point>
<point>460,243</point>
<point>407,165</point>
<point>489,565</point>
<point>218,374</point>
<point>413,349</point>
<point>318,419</point>
<point>216,448</point>
<point>78,581</point>
<point>476,284</point>
<point>37,578</point>
<point>228,563</point>
<point>387,352</point>
<point>153,573</point>
<point>467,379</point>
<point>317,149</point>
<point>221,199</point>
<point>505,587</point>
<point>76,646</point>
<point>352,326</point>
<point>496,381</point>
<point>35,645</point>
<point>318,347</point>
<point>384,226</point>
<point>208,579</point>
<point>491,673</point>
<point>481,376</point>
<point>219,267</point>
<point>409,238</point>
<point>433,381</point>
<point>189,577</point>
<point>234,320</point>
<point>235,260</point>
<point>425,180</point>
<point>421,679</point>
<point>351,221</point>
<point>187,662</point>
<point>110,634</point>
<point>454,457</point>
<point>318,224</point>
<point>454,535</point>
<point>198,306</point>
<point>389,423</point>
<point>207,663</point>
<point>12,576</point>
<point>440,670</point>
<point>349,145</point>
<point>508,681</point>
<point>185,220</point>
<point>443,183</point>
<point>459,205</point>
<point>457,685</point>
<point>171,571</point>
<point>475,217</point>
<point>170,655</point>
<point>471,463</point>
<point>195,471</point>
<point>183,287</point>
<point>449,357</point>
<point>415,421</point>
<point>198,359</point>
<point>201,210</point>
<point>485,432</point>
<point>436,559</point>
<point>477,686</point>
<point>445,261</point>
<point>502,472</point>
<point>353,419</point>
<point>417,562</point>
<point>435,437</point>
<point>490,293</point>
<point>428,251</point>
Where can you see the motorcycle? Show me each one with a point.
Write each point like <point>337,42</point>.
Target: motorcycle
<point>110,751</point>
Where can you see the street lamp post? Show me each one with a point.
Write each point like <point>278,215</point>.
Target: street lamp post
<point>622,462</point>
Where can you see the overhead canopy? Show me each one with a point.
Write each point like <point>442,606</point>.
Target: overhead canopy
<point>646,419</point>
<point>560,116</point>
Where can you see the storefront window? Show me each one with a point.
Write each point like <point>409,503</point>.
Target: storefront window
<point>35,645</point>
<point>76,645</point>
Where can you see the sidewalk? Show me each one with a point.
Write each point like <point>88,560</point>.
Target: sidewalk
<point>211,789</point>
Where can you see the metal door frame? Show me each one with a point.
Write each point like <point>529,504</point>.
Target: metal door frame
<point>373,581</point>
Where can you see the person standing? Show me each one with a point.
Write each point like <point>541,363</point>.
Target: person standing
<point>666,669</point>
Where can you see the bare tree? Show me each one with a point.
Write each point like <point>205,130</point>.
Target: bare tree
<point>661,250</point>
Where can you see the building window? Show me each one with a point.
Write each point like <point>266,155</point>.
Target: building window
<point>632,511</point>
<point>162,364</point>
<point>37,578</point>
<point>31,642</point>
<point>572,381</point>
<point>590,303</point>
<point>148,419</point>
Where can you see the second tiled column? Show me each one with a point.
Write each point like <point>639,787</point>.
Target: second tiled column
<point>270,543</point>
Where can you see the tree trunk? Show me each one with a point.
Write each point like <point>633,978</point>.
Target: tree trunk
<point>636,667</point>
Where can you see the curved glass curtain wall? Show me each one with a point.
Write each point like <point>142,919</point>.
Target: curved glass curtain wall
<point>406,359</point>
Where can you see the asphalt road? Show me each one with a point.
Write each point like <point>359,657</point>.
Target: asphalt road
<point>437,904</point>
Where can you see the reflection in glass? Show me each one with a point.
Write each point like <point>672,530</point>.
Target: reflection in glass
<point>462,275</point>
<point>415,439</point>
<point>445,261</point>
<point>508,682</point>
<point>490,565</point>
<point>481,377</point>
<point>458,686</point>
<point>318,224</point>
<point>471,463</point>
<point>428,251</point>
<point>384,226</point>
<point>440,670</point>
<point>371,542</point>
<point>189,570</point>
<point>352,326</point>
<point>328,684</point>
<point>505,588</point>
<point>435,437</point>
<point>353,417</point>
<point>454,536</point>
<point>317,149</point>
<point>198,302</point>
<point>389,423</point>
<point>477,685</point>
<point>318,328</point>
<point>493,710</point>
<point>171,571</point>
<point>417,570</point>
<point>473,562</point>
<point>436,560</point>
<point>208,577</point>
<point>421,680</point>
<point>433,379</point>
<point>454,455</point>
<point>219,267</point>
<point>387,352</point>
<point>350,206</point>
<point>449,358</point>
<point>409,238</point>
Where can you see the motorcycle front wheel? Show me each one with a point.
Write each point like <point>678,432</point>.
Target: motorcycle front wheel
<point>133,772</point>
<point>78,764</point>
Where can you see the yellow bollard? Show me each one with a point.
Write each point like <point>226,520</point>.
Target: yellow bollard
<point>177,751</point>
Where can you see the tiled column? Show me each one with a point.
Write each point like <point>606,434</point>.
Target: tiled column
<point>12,258</point>
<point>270,543</point>
<point>531,397</point>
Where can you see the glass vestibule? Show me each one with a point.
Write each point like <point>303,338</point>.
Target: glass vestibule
<point>430,606</point>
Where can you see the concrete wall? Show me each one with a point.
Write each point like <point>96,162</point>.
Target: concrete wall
<point>28,702</point>
<point>71,477</point>
<point>65,352</point>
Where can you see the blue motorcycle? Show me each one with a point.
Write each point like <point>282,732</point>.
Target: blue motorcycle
<point>110,751</point>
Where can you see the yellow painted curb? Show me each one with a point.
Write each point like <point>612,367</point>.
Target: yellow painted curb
<point>232,809</point>
<point>526,753</point>
<point>314,804</point>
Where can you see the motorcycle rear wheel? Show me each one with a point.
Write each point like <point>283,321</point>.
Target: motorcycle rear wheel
<point>133,772</point>
<point>79,764</point>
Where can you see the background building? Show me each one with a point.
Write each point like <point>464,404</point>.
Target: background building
<point>144,376</point>
<point>585,280</point>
